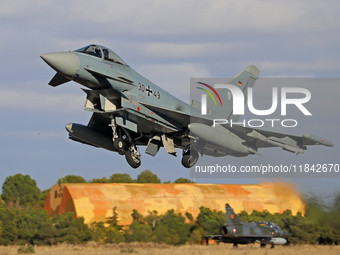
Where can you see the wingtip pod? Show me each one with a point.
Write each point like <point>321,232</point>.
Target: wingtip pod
<point>253,70</point>
<point>318,140</point>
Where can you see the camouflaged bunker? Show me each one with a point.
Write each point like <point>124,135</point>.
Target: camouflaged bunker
<point>95,202</point>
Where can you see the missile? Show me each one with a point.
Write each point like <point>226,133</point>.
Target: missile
<point>318,140</point>
<point>278,142</point>
<point>90,136</point>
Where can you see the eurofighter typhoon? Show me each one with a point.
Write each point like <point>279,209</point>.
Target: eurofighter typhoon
<point>129,111</point>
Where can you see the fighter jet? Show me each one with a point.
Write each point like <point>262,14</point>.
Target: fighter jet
<point>129,111</point>
<point>237,232</point>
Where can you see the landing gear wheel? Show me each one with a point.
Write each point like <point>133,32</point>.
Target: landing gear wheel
<point>263,245</point>
<point>132,159</point>
<point>119,144</point>
<point>189,158</point>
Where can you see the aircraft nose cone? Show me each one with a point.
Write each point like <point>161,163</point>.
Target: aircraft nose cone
<point>286,234</point>
<point>65,63</point>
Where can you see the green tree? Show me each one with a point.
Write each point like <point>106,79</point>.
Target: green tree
<point>153,218</point>
<point>326,216</point>
<point>189,217</point>
<point>42,199</point>
<point>101,180</point>
<point>160,234</point>
<point>72,179</point>
<point>210,221</point>
<point>114,235</point>
<point>70,230</point>
<point>183,180</point>
<point>303,231</point>
<point>20,189</point>
<point>10,230</point>
<point>109,234</point>
<point>136,216</point>
<point>121,178</point>
<point>148,177</point>
<point>35,227</point>
<point>99,231</point>
<point>179,231</point>
<point>138,232</point>
<point>113,220</point>
<point>196,236</point>
<point>173,238</point>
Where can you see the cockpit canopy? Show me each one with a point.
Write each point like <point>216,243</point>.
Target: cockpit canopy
<point>270,224</point>
<point>101,52</point>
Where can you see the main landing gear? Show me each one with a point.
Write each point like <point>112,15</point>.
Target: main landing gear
<point>190,157</point>
<point>263,245</point>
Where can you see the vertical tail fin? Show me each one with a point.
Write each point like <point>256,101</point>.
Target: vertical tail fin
<point>232,218</point>
<point>243,80</point>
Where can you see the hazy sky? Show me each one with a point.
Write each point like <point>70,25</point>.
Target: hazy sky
<point>168,42</point>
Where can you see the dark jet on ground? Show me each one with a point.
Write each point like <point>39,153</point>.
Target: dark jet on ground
<point>237,232</point>
<point>129,110</point>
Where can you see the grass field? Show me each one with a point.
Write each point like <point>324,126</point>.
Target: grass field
<point>149,248</point>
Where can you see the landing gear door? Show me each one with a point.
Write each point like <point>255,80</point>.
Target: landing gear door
<point>125,123</point>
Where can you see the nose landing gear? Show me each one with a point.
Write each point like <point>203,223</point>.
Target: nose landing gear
<point>125,145</point>
<point>119,144</point>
